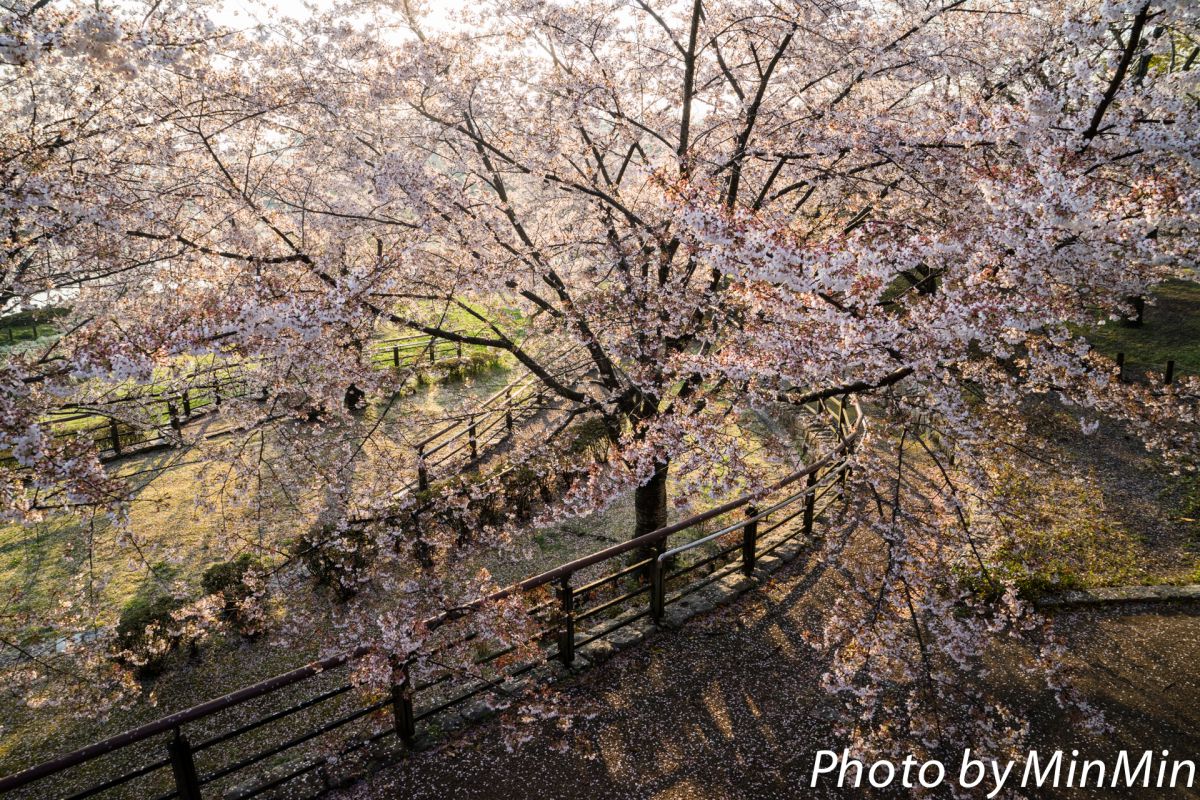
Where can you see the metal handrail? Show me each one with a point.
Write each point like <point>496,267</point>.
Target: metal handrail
<point>737,526</point>
<point>654,537</point>
<point>174,722</point>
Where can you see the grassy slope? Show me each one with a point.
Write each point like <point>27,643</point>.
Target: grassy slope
<point>28,736</point>
<point>175,535</point>
<point>1120,518</point>
<point>1171,330</point>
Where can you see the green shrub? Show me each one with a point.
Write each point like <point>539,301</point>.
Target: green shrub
<point>513,493</point>
<point>524,485</point>
<point>146,632</point>
<point>229,579</point>
<point>337,558</point>
<point>453,370</point>
<point>589,437</point>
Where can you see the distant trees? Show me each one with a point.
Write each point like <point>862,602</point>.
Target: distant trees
<point>712,204</point>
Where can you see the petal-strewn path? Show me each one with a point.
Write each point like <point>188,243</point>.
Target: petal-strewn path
<point>730,707</point>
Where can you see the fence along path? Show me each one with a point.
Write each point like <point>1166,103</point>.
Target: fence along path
<point>491,421</point>
<point>260,738</point>
<point>117,437</point>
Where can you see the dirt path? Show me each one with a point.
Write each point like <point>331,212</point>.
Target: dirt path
<point>729,707</point>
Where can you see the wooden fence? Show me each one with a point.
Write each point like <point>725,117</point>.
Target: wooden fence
<point>1168,375</point>
<point>108,425</point>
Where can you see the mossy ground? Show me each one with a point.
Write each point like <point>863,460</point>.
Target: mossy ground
<point>1089,511</point>
<point>1116,515</point>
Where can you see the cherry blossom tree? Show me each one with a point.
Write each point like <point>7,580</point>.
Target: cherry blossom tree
<point>710,206</point>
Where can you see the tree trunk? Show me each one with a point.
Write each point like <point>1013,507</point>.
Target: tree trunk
<point>1139,309</point>
<point>650,504</point>
<point>650,501</point>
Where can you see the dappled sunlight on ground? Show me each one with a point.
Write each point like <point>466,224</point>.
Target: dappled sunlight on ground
<point>730,707</point>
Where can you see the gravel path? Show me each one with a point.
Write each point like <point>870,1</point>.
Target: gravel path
<point>729,707</point>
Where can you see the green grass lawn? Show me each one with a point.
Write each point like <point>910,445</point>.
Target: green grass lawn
<point>28,326</point>
<point>1170,331</point>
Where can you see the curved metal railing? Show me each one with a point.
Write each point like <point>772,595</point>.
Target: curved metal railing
<point>267,746</point>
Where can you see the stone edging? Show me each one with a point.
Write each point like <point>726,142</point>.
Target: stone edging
<point>1105,595</point>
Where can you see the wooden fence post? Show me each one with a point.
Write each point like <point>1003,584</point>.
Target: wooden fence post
<point>187,403</point>
<point>810,503</point>
<point>749,541</point>
<point>471,437</point>
<point>1170,376</point>
<point>1121,367</point>
<point>841,432</point>
<point>422,473</point>
<point>396,356</point>
<point>658,585</point>
<point>114,433</point>
<point>183,766</point>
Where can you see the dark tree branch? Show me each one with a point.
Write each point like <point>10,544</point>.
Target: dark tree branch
<point>1131,46</point>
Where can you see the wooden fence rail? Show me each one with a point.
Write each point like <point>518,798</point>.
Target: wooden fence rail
<point>243,744</point>
<point>116,437</point>
<point>485,424</point>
